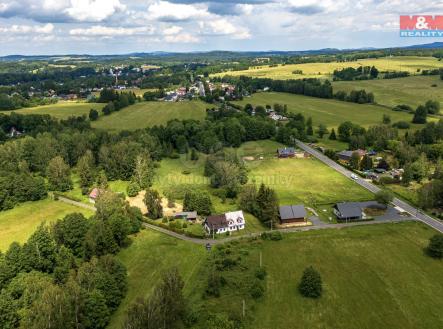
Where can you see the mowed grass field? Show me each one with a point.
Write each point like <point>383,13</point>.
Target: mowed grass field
<point>148,114</point>
<point>413,91</point>
<point>62,110</point>
<point>149,255</point>
<point>374,276</point>
<point>19,223</point>
<point>328,111</point>
<point>301,180</point>
<point>325,70</point>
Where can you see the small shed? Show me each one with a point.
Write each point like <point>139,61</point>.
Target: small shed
<point>348,211</point>
<point>188,215</point>
<point>93,196</point>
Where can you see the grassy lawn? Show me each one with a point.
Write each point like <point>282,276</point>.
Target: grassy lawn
<point>413,90</point>
<point>324,70</point>
<point>328,111</point>
<point>148,114</point>
<point>62,110</point>
<point>305,181</point>
<point>149,255</point>
<point>374,277</point>
<point>19,223</point>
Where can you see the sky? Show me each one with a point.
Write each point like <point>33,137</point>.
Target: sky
<point>48,27</point>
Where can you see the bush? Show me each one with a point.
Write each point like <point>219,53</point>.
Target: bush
<point>132,189</point>
<point>384,197</point>
<point>256,290</point>
<point>311,283</point>
<point>402,125</point>
<point>435,247</point>
<point>385,180</point>
<point>260,273</point>
<point>274,236</point>
<point>215,282</point>
<point>186,172</point>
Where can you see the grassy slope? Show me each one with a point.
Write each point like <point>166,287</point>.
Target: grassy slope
<point>324,70</point>
<point>149,255</point>
<point>328,111</point>
<point>148,114</point>
<point>296,180</point>
<point>19,223</point>
<point>374,277</point>
<point>63,110</point>
<point>390,92</point>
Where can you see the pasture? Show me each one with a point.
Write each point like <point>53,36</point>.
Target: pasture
<point>325,70</point>
<point>328,111</point>
<point>413,91</point>
<point>148,114</point>
<point>19,223</point>
<point>62,110</point>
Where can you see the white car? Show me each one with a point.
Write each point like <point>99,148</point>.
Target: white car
<point>354,176</point>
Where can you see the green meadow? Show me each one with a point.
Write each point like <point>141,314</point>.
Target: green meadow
<point>413,91</point>
<point>325,70</point>
<point>148,114</point>
<point>374,276</point>
<point>328,111</point>
<point>19,223</point>
<point>62,110</point>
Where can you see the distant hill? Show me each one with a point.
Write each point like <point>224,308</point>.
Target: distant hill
<point>217,53</point>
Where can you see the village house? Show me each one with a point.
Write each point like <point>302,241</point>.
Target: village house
<point>287,152</point>
<point>277,117</point>
<point>93,196</point>
<point>346,156</point>
<point>347,211</point>
<point>14,132</point>
<point>228,222</point>
<point>293,214</point>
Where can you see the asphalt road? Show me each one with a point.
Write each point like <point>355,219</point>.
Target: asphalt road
<point>415,212</point>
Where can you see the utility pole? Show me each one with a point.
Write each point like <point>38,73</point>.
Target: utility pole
<point>244,308</point>
<point>260,258</point>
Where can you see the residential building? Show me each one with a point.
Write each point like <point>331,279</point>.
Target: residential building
<point>293,214</point>
<point>228,222</point>
<point>346,156</point>
<point>287,152</point>
<point>347,211</point>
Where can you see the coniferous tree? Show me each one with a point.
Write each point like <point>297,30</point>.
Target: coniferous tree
<point>268,205</point>
<point>153,202</point>
<point>311,283</point>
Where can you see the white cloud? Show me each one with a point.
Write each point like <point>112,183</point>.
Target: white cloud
<point>172,30</point>
<point>99,30</point>
<point>26,29</point>
<point>93,10</point>
<point>223,27</point>
<point>182,38</point>
<point>164,10</point>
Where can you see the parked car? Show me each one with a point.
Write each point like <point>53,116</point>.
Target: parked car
<point>354,176</point>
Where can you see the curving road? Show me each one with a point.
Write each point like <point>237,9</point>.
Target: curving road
<point>417,213</point>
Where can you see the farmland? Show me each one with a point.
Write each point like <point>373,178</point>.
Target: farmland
<point>324,70</point>
<point>19,223</point>
<point>328,111</point>
<point>62,110</point>
<point>148,114</point>
<point>412,91</point>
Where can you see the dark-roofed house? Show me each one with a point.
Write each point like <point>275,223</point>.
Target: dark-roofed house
<point>348,211</point>
<point>347,155</point>
<point>292,214</point>
<point>188,215</point>
<point>231,221</point>
<point>287,152</point>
